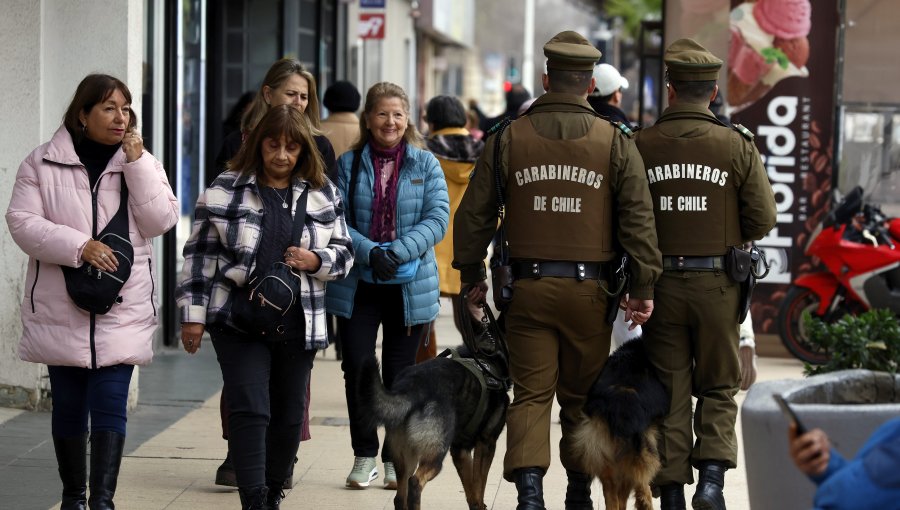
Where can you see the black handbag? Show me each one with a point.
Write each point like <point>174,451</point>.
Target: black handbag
<point>95,290</point>
<point>261,307</point>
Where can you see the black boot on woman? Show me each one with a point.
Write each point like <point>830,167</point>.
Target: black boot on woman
<point>275,496</point>
<point>71,456</point>
<point>106,457</point>
<point>253,498</point>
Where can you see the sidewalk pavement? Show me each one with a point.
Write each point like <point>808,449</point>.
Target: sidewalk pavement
<point>174,446</point>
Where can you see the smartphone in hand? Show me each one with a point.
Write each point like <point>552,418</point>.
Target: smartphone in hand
<point>789,413</point>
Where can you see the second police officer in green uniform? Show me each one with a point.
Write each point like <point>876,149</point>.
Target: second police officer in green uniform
<point>710,193</point>
<point>571,180</point>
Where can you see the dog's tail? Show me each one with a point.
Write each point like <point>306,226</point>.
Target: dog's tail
<point>375,401</point>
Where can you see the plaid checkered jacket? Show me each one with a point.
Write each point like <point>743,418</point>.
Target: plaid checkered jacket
<point>221,251</point>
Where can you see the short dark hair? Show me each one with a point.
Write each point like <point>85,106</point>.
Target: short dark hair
<point>294,125</point>
<point>93,90</point>
<point>569,82</point>
<point>693,91</point>
<point>444,112</point>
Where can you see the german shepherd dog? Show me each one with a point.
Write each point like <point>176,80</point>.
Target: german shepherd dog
<point>434,407</point>
<point>617,439</point>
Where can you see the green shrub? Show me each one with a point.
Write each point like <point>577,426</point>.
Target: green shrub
<point>870,340</point>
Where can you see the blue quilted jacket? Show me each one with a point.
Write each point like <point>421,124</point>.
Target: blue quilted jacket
<point>423,213</point>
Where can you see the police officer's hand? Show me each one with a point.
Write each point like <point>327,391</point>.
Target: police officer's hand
<point>384,263</point>
<point>476,292</point>
<point>638,311</point>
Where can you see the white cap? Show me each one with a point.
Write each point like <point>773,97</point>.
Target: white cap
<point>608,79</point>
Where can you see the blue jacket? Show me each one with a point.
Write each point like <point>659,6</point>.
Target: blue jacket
<point>423,213</point>
<point>870,480</point>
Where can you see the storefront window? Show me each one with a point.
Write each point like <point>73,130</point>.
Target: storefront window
<point>191,112</point>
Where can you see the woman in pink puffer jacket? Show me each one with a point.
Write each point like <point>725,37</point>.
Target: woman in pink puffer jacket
<point>90,357</point>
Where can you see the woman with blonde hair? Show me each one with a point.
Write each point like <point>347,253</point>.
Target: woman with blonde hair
<point>397,210</point>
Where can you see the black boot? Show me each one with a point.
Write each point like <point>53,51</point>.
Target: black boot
<point>671,497</point>
<point>225,474</point>
<point>71,456</point>
<point>253,498</point>
<point>529,484</point>
<point>106,457</point>
<point>709,488</point>
<point>275,495</point>
<point>578,492</point>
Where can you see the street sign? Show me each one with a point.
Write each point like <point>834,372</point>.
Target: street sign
<point>371,26</point>
<point>371,4</point>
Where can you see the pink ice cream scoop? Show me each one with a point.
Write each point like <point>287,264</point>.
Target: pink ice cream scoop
<point>786,19</point>
<point>745,62</point>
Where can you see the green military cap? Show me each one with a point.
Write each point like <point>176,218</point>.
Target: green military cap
<point>686,60</point>
<point>570,51</point>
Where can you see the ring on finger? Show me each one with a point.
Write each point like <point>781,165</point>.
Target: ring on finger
<point>103,255</point>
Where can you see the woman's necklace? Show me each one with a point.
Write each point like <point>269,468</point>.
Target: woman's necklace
<point>283,198</point>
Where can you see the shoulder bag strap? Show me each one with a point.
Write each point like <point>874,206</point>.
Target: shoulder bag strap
<point>119,222</point>
<point>299,217</point>
<point>351,189</point>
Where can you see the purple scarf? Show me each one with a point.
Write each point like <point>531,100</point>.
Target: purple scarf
<point>384,206</point>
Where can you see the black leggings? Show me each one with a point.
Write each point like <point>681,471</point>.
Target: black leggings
<point>266,385</point>
<point>374,305</point>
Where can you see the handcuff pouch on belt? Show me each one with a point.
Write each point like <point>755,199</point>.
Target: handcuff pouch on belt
<point>742,267</point>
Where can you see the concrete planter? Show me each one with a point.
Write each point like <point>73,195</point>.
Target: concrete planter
<point>848,405</point>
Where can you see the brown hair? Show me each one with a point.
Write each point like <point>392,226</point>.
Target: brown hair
<point>376,93</point>
<point>275,77</point>
<point>288,121</point>
<point>94,89</point>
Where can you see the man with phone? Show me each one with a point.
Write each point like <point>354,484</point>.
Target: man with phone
<point>873,474</point>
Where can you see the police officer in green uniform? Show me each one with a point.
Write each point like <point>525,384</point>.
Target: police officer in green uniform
<point>571,180</point>
<point>710,193</point>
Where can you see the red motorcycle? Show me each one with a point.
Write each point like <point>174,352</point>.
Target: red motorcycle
<point>858,246</point>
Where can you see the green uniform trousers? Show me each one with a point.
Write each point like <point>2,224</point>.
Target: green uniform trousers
<point>558,342</point>
<point>692,340</point>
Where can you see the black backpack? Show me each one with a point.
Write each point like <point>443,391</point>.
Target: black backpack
<point>260,307</point>
<point>96,290</point>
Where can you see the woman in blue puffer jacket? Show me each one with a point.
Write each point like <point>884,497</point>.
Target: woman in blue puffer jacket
<point>397,209</point>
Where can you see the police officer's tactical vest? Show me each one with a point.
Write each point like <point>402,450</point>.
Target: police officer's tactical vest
<point>694,191</point>
<point>559,202</point>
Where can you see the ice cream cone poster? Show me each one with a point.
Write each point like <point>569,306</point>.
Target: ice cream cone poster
<point>781,85</point>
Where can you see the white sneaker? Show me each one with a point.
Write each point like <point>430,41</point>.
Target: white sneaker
<point>365,469</point>
<point>390,476</point>
<point>747,357</point>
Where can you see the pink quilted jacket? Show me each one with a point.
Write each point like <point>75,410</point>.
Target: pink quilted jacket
<point>49,217</point>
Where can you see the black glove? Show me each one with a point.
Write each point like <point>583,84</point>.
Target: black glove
<point>384,263</point>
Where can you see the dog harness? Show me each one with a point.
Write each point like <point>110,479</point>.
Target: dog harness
<point>488,382</point>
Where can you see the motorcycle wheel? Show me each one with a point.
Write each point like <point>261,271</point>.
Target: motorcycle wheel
<point>791,327</point>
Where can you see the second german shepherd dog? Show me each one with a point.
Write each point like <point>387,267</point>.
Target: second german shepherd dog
<point>431,408</point>
<point>617,440</point>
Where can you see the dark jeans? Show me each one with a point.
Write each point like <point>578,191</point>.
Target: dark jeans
<point>79,392</point>
<point>266,385</point>
<point>374,305</point>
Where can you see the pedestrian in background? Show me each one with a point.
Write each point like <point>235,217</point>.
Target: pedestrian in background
<point>244,222</point>
<point>456,151</point>
<point>341,127</point>
<point>66,191</point>
<point>607,97</point>
<point>397,208</point>
<point>286,82</point>
<point>515,96</point>
<point>570,179</point>
<point>710,194</point>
